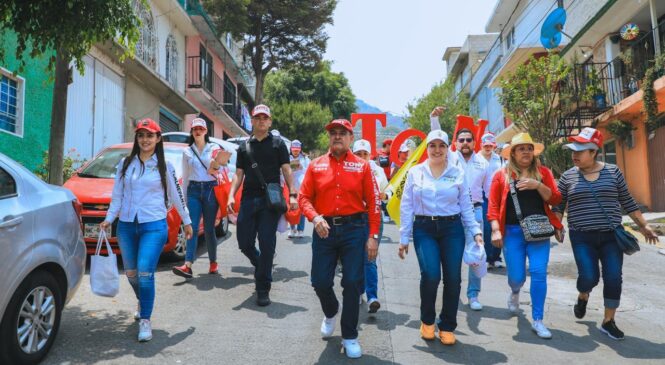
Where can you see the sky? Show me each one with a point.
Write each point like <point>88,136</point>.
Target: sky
<point>391,50</point>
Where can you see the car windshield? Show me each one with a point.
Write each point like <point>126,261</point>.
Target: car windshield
<point>104,166</point>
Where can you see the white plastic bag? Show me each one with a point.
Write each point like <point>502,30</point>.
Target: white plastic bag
<point>475,257</point>
<point>104,277</point>
<point>282,224</point>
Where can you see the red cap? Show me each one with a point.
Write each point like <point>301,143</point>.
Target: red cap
<point>588,135</point>
<point>387,141</point>
<point>149,125</point>
<point>343,123</point>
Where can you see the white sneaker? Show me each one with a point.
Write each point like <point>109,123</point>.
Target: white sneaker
<point>475,304</point>
<point>327,326</point>
<point>145,330</point>
<point>352,348</point>
<point>514,302</point>
<point>300,234</point>
<point>386,219</point>
<point>292,233</point>
<point>541,330</point>
<point>137,314</point>
<point>499,264</point>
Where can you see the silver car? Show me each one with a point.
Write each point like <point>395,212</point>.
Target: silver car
<point>42,261</point>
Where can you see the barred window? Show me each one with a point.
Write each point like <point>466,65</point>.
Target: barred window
<point>11,103</point>
<point>172,61</point>
<point>146,46</point>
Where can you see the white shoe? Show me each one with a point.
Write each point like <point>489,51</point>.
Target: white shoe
<point>292,233</point>
<point>327,326</point>
<point>386,219</point>
<point>137,314</point>
<point>352,348</point>
<point>145,330</point>
<point>475,304</point>
<point>541,330</point>
<point>300,234</point>
<point>499,264</point>
<point>662,252</point>
<point>514,302</point>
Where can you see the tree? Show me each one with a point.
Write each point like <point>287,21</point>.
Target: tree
<point>442,94</point>
<point>321,85</point>
<point>276,34</point>
<point>69,28</point>
<point>302,120</point>
<point>531,98</point>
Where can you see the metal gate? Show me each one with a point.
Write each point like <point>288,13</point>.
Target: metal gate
<point>657,170</point>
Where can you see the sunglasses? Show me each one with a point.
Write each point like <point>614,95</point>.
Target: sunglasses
<point>467,140</point>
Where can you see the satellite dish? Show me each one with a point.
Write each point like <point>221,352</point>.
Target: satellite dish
<point>552,29</point>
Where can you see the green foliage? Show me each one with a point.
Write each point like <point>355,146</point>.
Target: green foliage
<point>529,93</point>
<point>321,85</point>
<point>70,27</point>
<point>72,161</point>
<point>302,120</point>
<point>649,97</point>
<point>621,130</point>
<point>593,86</point>
<point>557,158</point>
<point>276,33</point>
<point>442,94</point>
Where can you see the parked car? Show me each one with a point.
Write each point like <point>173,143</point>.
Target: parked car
<point>239,140</point>
<point>93,185</point>
<point>43,261</point>
<point>182,137</point>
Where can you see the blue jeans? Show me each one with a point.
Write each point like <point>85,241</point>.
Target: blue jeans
<point>346,242</point>
<point>201,198</point>
<point>255,219</point>
<point>591,247</point>
<point>516,250</point>
<point>473,289</point>
<point>439,247</point>
<point>493,253</point>
<point>371,274</point>
<point>301,224</point>
<point>140,246</point>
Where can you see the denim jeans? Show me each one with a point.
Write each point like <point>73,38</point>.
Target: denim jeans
<point>371,274</point>
<point>493,253</point>
<point>301,224</point>
<point>201,198</point>
<point>439,247</point>
<point>255,219</point>
<point>346,242</point>
<point>473,288</point>
<point>591,247</point>
<point>516,250</point>
<point>140,246</point>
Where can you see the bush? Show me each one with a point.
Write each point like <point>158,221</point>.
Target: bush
<point>72,161</point>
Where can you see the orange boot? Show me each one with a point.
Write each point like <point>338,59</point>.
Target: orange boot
<point>427,331</point>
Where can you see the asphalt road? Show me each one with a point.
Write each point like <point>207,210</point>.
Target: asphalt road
<point>213,319</point>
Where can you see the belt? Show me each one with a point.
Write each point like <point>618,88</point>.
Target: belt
<point>438,217</point>
<point>343,219</point>
<point>476,205</point>
<point>203,182</point>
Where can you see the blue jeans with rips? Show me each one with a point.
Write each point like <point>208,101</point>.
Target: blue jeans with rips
<point>516,250</point>
<point>473,288</point>
<point>590,248</point>
<point>140,246</point>
<point>347,243</point>
<point>439,247</point>
<point>201,199</point>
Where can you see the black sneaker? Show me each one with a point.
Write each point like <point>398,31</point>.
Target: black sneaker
<point>262,298</point>
<point>580,308</point>
<point>610,328</point>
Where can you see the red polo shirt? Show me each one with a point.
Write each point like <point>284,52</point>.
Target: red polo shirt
<point>333,187</point>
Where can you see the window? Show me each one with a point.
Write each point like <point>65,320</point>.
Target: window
<point>7,185</point>
<point>146,46</point>
<point>172,61</point>
<point>206,68</point>
<point>230,102</point>
<point>609,154</point>
<point>11,103</point>
<point>510,38</point>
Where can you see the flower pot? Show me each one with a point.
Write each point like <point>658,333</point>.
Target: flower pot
<point>601,102</point>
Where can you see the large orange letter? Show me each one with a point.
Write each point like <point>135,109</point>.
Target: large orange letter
<point>369,126</point>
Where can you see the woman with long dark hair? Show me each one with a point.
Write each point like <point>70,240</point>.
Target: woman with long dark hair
<point>144,185</point>
<point>199,168</point>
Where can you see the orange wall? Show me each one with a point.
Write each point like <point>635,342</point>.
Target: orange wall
<point>634,164</point>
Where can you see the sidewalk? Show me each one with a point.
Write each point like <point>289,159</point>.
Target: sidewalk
<point>214,320</point>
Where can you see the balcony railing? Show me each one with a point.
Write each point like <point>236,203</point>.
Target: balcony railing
<point>201,75</point>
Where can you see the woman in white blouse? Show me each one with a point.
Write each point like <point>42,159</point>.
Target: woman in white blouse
<point>436,208</point>
<point>199,178</point>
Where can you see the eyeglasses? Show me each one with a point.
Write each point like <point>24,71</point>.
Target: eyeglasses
<point>467,140</point>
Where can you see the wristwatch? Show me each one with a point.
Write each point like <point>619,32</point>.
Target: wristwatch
<point>375,236</point>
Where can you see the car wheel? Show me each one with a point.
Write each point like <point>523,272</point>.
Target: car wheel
<point>178,252</point>
<point>222,228</point>
<point>31,320</point>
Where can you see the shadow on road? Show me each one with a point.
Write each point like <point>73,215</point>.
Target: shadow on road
<point>561,340</point>
<point>631,347</point>
<point>384,320</point>
<point>279,273</point>
<point>333,354</point>
<point>473,318</point>
<point>462,353</point>
<point>275,310</point>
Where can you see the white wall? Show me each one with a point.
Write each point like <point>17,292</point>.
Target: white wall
<point>165,26</point>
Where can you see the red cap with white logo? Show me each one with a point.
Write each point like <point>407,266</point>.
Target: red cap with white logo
<point>149,125</point>
<point>340,123</point>
<point>261,109</point>
<point>586,137</point>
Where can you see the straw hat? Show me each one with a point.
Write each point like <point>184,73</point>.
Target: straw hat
<point>521,138</point>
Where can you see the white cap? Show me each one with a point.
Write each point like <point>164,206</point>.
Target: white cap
<point>362,145</point>
<point>438,134</point>
<point>261,109</point>
<point>576,146</point>
<point>404,147</point>
<point>198,122</point>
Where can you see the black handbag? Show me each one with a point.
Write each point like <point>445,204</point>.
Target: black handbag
<point>535,227</point>
<point>626,241</point>
<point>274,195</point>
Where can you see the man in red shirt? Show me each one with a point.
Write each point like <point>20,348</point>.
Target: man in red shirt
<point>340,197</point>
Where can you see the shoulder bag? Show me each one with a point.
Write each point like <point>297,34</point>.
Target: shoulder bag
<point>274,194</point>
<point>627,242</point>
<point>535,227</point>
